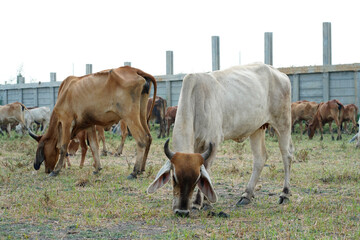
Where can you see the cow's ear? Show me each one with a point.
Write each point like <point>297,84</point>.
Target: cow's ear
<point>205,185</point>
<point>161,179</point>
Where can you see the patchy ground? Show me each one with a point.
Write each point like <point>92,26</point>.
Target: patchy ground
<point>325,202</point>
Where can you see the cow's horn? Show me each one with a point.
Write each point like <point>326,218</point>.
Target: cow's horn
<point>167,151</point>
<point>34,136</point>
<point>207,153</point>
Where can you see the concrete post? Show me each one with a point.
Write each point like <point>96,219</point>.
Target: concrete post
<point>127,64</point>
<point>169,63</point>
<point>327,43</point>
<point>215,53</point>
<point>53,77</point>
<point>168,93</point>
<point>36,98</point>
<point>88,68</point>
<point>326,86</point>
<point>268,56</point>
<point>357,87</point>
<point>20,79</point>
<point>296,87</point>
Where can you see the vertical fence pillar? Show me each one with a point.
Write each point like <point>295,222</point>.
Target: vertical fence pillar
<point>53,77</point>
<point>169,63</point>
<point>52,97</point>
<point>268,55</point>
<point>357,87</point>
<point>215,53</point>
<point>20,79</point>
<point>296,87</point>
<point>327,59</point>
<point>326,86</point>
<point>127,64</point>
<point>88,68</point>
<point>5,99</point>
<point>36,98</point>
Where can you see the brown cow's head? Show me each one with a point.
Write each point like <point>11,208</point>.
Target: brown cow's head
<point>46,151</point>
<point>311,129</point>
<point>188,171</point>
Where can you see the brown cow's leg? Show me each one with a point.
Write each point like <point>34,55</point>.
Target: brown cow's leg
<point>94,146</point>
<point>82,141</point>
<point>257,141</point>
<point>143,140</point>
<point>124,133</point>
<point>338,123</point>
<point>64,142</point>
<point>101,134</point>
<point>8,130</point>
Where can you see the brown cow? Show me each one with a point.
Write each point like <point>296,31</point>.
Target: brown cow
<point>12,113</point>
<point>350,114</point>
<point>97,99</point>
<point>302,111</point>
<point>170,117</point>
<point>327,112</point>
<point>158,113</point>
<point>80,140</point>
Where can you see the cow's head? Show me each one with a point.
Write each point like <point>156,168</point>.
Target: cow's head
<point>46,151</point>
<point>188,171</point>
<point>311,130</point>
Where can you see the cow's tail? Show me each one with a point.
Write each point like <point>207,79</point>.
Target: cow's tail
<point>149,78</point>
<point>341,110</point>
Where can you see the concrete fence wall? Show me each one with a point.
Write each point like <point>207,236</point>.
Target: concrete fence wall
<point>313,83</point>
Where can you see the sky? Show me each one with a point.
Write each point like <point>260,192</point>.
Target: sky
<point>39,37</point>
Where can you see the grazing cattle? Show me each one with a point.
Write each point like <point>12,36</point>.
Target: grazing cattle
<point>39,115</point>
<point>102,99</point>
<point>80,140</point>
<point>357,136</point>
<point>158,113</point>
<point>350,114</point>
<point>326,113</point>
<point>302,111</point>
<point>170,117</point>
<point>235,103</point>
<point>12,113</point>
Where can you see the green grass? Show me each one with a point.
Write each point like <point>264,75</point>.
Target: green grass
<point>325,202</point>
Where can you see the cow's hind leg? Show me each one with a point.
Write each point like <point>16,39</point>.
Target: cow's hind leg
<point>143,140</point>
<point>286,149</point>
<point>124,133</point>
<point>257,142</point>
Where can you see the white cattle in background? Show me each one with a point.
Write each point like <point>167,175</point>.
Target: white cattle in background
<point>40,116</point>
<point>357,136</point>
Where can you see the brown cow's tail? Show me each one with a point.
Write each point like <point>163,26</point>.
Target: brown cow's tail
<point>146,89</point>
<point>341,110</point>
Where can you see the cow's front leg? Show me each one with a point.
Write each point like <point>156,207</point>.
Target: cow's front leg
<point>60,162</point>
<point>94,146</point>
<point>200,201</point>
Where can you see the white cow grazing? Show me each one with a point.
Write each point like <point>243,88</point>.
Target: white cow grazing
<point>357,136</point>
<point>235,103</point>
<point>40,115</point>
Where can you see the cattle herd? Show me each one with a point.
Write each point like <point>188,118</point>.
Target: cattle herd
<point>237,103</point>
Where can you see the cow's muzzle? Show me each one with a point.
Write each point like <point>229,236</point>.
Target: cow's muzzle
<point>182,213</point>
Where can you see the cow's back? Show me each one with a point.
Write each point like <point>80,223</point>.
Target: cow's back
<point>229,104</point>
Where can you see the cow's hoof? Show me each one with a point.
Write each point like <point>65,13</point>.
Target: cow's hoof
<point>243,201</point>
<point>207,207</point>
<point>283,200</point>
<point>131,176</point>
<point>54,174</point>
